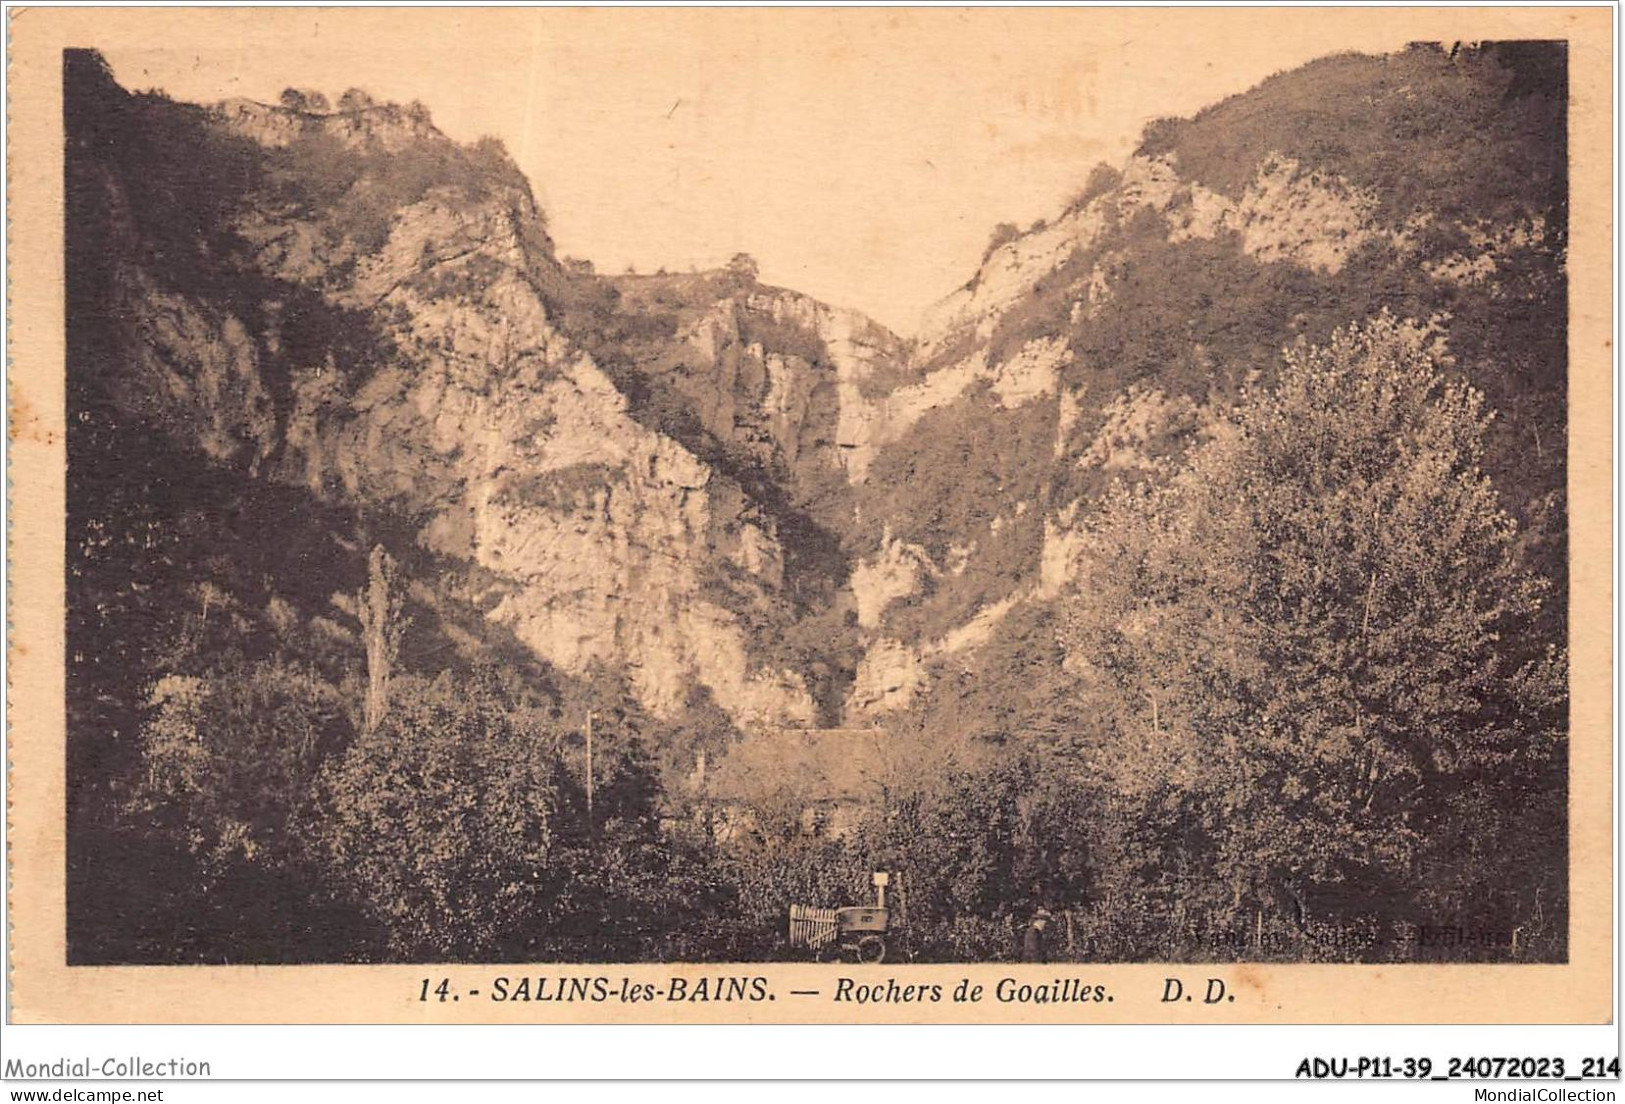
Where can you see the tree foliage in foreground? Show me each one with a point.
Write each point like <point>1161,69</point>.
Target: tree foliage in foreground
<point>444,819</point>
<point>1314,638</point>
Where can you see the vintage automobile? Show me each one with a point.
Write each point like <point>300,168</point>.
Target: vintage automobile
<point>858,931</point>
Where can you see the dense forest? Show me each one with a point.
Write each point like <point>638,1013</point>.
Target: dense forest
<point>1240,635</point>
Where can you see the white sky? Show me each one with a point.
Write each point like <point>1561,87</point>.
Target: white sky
<point>863,156</point>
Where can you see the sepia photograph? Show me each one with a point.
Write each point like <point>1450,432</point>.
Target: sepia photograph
<point>843,489</point>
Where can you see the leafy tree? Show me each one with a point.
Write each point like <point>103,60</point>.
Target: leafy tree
<point>444,820</point>
<point>305,100</point>
<point>1102,179</point>
<point>1003,234</point>
<point>229,760</point>
<point>460,826</point>
<point>765,879</point>
<point>209,851</point>
<point>633,887</point>
<point>980,848</point>
<point>743,266</point>
<point>1315,629</point>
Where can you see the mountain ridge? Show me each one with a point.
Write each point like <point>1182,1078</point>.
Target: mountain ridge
<point>822,512</point>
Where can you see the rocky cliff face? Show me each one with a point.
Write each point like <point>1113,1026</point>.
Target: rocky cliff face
<point>364,309</point>
<point>720,487</point>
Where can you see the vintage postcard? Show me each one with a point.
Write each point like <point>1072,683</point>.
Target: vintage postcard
<point>810,515</point>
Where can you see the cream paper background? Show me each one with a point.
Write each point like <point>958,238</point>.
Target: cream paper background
<point>45,990</point>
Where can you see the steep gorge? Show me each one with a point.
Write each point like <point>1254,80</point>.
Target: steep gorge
<point>1101,344</point>
<point>732,492</point>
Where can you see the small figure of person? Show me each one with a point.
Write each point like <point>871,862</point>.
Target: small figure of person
<point>1035,943</point>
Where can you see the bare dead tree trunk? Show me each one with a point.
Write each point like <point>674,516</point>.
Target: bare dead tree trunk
<point>381,630</point>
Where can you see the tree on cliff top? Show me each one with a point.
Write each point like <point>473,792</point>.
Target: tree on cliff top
<point>744,267</point>
<point>306,100</point>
